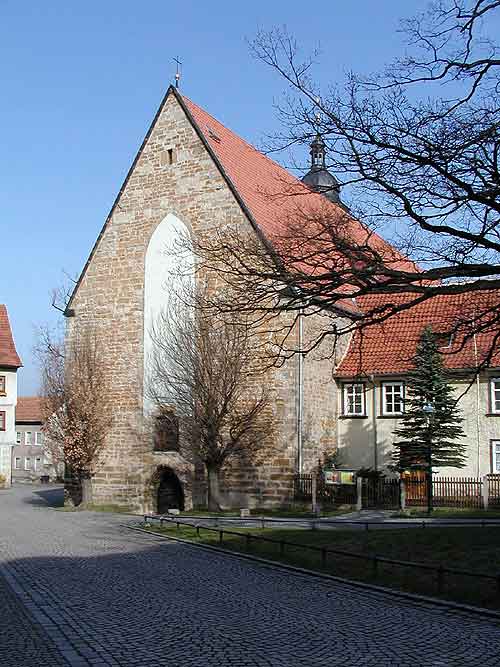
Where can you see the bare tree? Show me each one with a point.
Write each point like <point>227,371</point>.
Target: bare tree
<point>417,147</point>
<point>203,372</point>
<point>76,407</point>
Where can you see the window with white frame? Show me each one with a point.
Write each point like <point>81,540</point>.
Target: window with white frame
<point>3,385</point>
<point>3,421</point>
<point>18,437</point>
<point>393,395</point>
<point>17,462</point>
<point>354,399</point>
<point>27,463</point>
<point>27,438</point>
<point>38,438</point>
<point>38,463</point>
<point>495,456</point>
<point>495,395</point>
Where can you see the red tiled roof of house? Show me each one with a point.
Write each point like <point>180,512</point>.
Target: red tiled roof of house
<point>388,348</point>
<point>8,353</point>
<point>29,409</point>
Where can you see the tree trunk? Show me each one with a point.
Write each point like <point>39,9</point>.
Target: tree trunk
<point>87,490</point>
<point>213,489</point>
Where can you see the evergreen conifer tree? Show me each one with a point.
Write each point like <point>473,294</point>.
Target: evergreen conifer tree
<point>430,433</point>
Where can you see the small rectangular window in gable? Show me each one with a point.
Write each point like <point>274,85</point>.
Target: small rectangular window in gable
<point>3,385</point>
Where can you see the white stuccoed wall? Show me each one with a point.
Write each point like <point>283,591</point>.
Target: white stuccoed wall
<point>8,437</point>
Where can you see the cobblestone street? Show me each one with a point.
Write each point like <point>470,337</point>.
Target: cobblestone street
<point>77,589</point>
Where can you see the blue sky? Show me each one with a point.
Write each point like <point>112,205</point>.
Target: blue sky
<point>80,83</point>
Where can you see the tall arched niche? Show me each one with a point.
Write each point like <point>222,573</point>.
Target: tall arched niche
<point>165,268</point>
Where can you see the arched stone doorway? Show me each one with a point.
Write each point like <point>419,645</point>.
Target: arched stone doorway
<point>170,492</point>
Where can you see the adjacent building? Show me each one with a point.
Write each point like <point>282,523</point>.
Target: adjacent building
<point>372,377</point>
<point>9,365</point>
<point>28,460</point>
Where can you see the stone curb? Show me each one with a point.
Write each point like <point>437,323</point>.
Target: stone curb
<point>454,606</point>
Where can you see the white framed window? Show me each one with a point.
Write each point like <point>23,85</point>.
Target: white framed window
<point>495,395</point>
<point>495,456</point>
<point>27,438</point>
<point>3,420</point>
<point>17,463</point>
<point>393,395</point>
<point>18,437</point>
<point>27,463</point>
<point>38,438</point>
<point>3,385</point>
<point>354,399</point>
<point>38,463</point>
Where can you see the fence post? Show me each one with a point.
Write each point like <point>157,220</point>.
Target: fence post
<point>314,484</point>
<point>402,494</point>
<point>359,493</point>
<point>486,492</point>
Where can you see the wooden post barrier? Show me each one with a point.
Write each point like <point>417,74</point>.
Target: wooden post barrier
<point>359,494</point>
<point>314,486</point>
<point>485,492</point>
<point>402,494</point>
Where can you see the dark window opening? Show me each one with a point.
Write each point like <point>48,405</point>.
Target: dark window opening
<point>166,435</point>
<point>170,154</point>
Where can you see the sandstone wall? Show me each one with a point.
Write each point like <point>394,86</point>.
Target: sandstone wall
<point>110,299</point>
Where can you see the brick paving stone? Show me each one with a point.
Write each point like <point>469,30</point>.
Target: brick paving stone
<point>22,641</point>
<point>106,596</point>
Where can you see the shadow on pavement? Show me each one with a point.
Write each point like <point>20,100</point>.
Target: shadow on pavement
<point>51,497</point>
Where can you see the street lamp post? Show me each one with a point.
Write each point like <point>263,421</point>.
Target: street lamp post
<point>429,410</point>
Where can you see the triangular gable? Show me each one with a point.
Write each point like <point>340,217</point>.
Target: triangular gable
<point>268,194</point>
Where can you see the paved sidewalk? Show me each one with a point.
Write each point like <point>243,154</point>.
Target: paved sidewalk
<point>105,596</point>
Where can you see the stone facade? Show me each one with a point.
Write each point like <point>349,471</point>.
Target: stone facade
<point>175,174</point>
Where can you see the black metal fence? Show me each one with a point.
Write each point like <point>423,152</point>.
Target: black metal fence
<point>326,494</point>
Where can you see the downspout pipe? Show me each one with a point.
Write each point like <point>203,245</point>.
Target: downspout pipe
<point>300,395</point>
<point>374,422</point>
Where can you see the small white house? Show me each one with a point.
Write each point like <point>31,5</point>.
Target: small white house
<point>9,364</point>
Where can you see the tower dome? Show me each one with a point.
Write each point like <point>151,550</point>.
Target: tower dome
<point>318,178</point>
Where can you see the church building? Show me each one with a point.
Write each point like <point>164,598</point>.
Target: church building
<point>192,174</point>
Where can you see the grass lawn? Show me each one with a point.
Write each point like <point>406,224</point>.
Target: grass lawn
<point>114,509</point>
<point>474,549</point>
<point>448,513</point>
<point>285,513</point>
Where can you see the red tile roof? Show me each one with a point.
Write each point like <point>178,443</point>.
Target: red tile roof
<point>273,197</point>
<point>389,347</point>
<point>8,353</point>
<point>29,409</point>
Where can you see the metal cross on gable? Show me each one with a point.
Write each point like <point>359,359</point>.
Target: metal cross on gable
<point>177,71</point>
